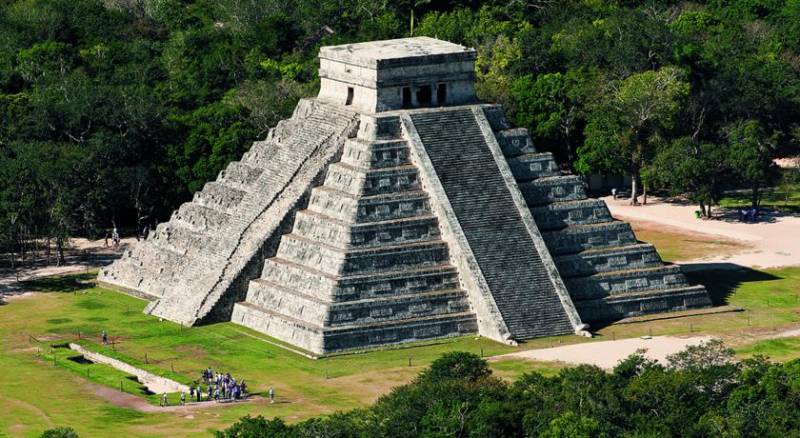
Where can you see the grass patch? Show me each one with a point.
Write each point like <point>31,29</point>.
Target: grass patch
<point>674,244</point>
<point>784,198</point>
<point>99,373</point>
<point>770,299</point>
<point>305,387</point>
<point>776,349</point>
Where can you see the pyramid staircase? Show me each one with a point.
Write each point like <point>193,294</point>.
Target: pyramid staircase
<point>196,265</point>
<point>608,272</point>
<point>365,263</point>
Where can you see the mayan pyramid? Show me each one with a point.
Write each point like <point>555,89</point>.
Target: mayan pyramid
<point>395,207</point>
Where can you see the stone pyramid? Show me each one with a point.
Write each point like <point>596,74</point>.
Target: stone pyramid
<point>394,207</point>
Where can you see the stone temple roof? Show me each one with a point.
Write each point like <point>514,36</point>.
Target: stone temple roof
<point>397,52</point>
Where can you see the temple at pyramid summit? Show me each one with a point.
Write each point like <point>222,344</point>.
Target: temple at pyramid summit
<point>396,207</point>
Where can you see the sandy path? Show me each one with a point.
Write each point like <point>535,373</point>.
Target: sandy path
<point>606,354</point>
<point>83,255</point>
<point>775,241</point>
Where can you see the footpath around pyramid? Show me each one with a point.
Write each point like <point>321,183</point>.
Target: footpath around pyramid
<point>392,208</point>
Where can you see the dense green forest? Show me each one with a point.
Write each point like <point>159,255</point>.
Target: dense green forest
<point>112,112</point>
<point>701,392</point>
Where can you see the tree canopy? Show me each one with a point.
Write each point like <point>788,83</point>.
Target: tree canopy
<point>701,391</point>
<point>113,112</point>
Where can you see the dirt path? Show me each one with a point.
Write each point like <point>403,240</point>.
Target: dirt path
<point>125,400</point>
<point>82,256</point>
<point>606,354</point>
<point>774,241</point>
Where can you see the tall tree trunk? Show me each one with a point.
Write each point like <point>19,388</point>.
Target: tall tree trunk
<point>644,193</point>
<point>60,251</point>
<point>635,188</point>
<point>754,200</point>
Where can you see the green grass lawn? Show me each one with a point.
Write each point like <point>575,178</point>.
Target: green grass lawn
<point>38,395</point>
<point>769,299</point>
<point>784,198</point>
<point>60,395</point>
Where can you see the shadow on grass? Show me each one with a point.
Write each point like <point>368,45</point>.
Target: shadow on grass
<point>722,279</point>
<point>66,283</point>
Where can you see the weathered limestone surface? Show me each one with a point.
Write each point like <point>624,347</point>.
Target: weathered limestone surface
<point>365,264</point>
<point>480,189</point>
<point>372,217</point>
<point>197,265</point>
<point>607,271</point>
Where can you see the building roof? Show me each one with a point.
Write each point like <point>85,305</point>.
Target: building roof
<point>398,52</point>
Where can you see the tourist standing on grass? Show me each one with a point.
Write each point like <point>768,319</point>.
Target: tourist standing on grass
<point>105,337</point>
<point>271,395</point>
<point>183,398</point>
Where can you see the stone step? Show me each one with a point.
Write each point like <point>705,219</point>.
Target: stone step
<point>534,165</point>
<point>608,259</point>
<point>326,340</point>
<point>357,181</point>
<point>336,261</point>
<point>405,281</point>
<point>327,287</point>
<point>492,223</point>
<point>379,127</point>
<point>217,196</point>
<point>183,241</point>
<point>496,117</point>
<point>642,303</point>
<point>514,142</point>
<point>624,282</point>
<point>284,300</point>
<point>322,228</point>
<point>553,189</point>
<point>240,175</point>
<point>350,208</point>
<point>577,238</point>
<point>216,240</point>
<point>367,154</point>
<point>558,215</point>
<point>199,218</point>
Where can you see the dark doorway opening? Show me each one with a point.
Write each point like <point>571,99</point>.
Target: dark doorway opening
<point>350,93</point>
<point>406,97</point>
<point>424,95</point>
<point>441,94</point>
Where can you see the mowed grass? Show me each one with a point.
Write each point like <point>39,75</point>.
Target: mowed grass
<point>675,245</point>
<point>38,395</point>
<point>783,198</point>
<point>769,301</point>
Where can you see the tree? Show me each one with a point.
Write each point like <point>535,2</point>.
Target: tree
<point>699,171</point>
<point>60,432</point>
<point>457,365</point>
<point>750,156</point>
<point>637,111</point>
<point>256,427</point>
<point>551,106</point>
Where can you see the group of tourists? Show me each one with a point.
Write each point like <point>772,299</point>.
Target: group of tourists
<point>218,387</point>
<point>748,214</point>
